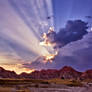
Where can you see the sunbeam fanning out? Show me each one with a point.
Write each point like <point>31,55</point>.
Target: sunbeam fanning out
<point>22,24</point>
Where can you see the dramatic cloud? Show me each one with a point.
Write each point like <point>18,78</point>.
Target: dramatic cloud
<point>73,31</point>
<point>76,53</point>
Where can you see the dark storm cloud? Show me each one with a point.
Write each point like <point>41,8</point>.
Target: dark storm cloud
<point>73,31</point>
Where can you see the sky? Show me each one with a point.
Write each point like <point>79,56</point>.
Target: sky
<point>70,10</point>
<point>22,23</point>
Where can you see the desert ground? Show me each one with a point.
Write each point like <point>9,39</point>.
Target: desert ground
<point>54,85</point>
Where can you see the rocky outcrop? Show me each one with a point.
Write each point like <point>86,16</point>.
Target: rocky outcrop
<point>7,74</point>
<point>66,72</point>
<point>86,75</point>
<point>69,73</point>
